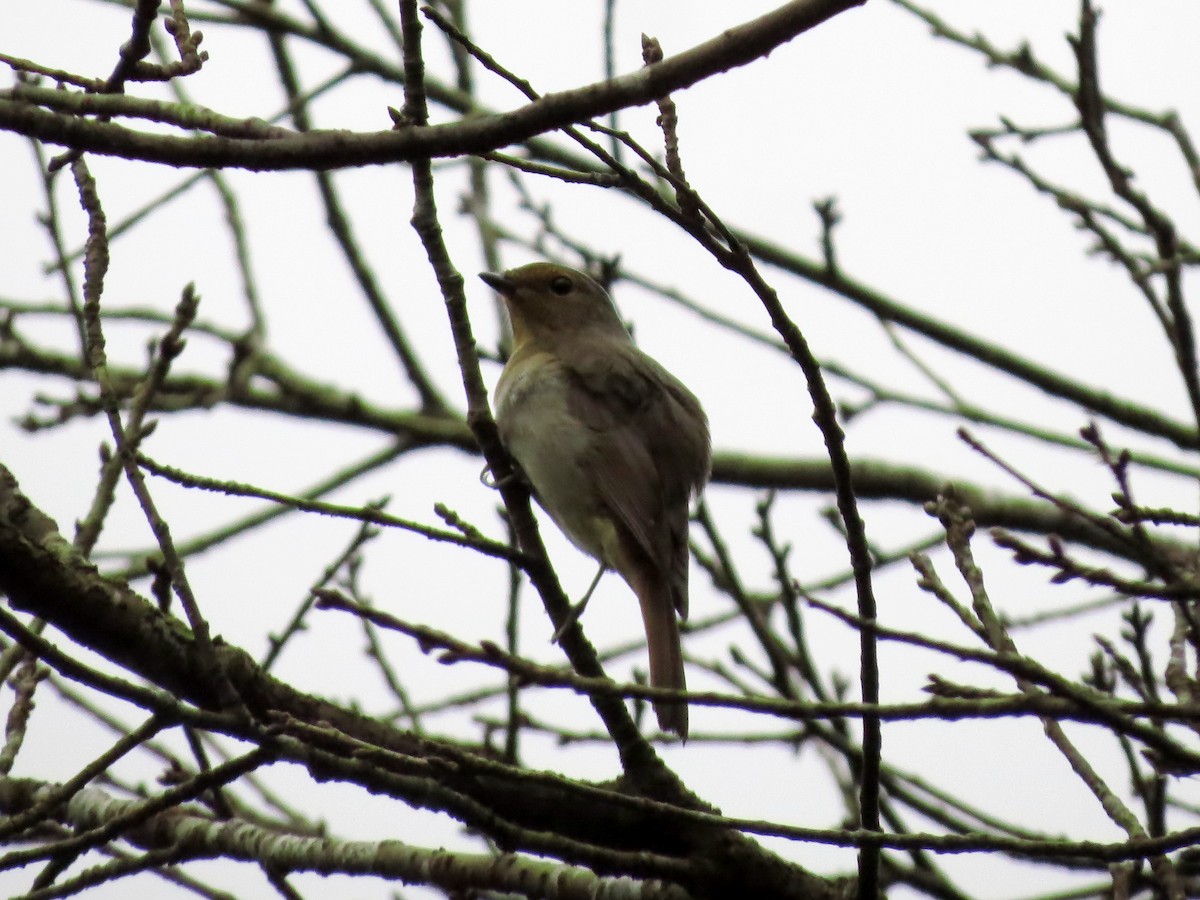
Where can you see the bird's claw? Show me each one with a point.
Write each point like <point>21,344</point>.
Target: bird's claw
<point>489,480</point>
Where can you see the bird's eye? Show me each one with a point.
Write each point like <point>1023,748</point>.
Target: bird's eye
<point>561,285</point>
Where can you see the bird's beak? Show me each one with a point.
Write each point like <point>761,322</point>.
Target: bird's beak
<point>499,283</point>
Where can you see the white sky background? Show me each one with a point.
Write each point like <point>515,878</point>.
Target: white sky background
<point>867,108</point>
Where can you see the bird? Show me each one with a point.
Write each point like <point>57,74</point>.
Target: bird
<point>613,446</point>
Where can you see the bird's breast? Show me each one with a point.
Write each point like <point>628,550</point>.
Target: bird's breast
<point>553,448</point>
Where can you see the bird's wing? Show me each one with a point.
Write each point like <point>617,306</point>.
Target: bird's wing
<point>650,452</point>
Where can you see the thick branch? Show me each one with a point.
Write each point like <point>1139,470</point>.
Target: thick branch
<point>42,574</point>
<point>341,149</point>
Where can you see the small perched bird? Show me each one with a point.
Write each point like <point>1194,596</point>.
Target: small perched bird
<point>612,444</point>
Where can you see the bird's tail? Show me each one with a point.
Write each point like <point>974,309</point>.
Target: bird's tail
<point>666,656</point>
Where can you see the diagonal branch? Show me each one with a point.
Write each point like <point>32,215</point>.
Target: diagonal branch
<point>340,149</point>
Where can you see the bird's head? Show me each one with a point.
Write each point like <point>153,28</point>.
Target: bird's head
<point>548,303</point>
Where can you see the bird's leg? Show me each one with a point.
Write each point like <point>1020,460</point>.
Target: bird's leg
<point>576,610</point>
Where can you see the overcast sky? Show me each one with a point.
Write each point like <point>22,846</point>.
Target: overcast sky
<point>867,108</point>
